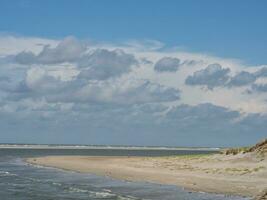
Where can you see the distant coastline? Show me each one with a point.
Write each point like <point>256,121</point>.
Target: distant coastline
<point>57,146</point>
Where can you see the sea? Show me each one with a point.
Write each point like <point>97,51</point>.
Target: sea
<point>22,181</point>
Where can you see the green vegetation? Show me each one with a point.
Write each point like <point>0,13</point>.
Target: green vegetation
<point>191,156</point>
<point>260,147</point>
<point>234,151</point>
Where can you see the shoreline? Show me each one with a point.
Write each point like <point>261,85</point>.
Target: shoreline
<point>92,147</point>
<point>245,177</point>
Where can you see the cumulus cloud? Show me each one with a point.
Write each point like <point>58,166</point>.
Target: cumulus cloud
<point>167,64</point>
<point>212,76</point>
<point>102,64</point>
<point>68,50</point>
<point>98,64</point>
<point>205,116</point>
<point>40,84</point>
<point>144,91</point>
<point>203,113</point>
<point>259,87</point>
<point>26,57</point>
<point>119,92</point>
<point>218,125</point>
<point>247,78</point>
<point>39,81</point>
<point>103,85</point>
<point>215,122</point>
<point>242,78</point>
<point>261,73</point>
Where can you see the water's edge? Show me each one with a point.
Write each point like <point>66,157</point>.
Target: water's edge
<point>25,160</point>
<point>20,180</point>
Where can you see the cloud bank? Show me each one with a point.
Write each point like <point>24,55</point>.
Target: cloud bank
<point>127,94</point>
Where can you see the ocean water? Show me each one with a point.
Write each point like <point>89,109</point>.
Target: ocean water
<point>22,181</point>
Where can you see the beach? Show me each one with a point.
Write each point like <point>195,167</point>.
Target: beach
<point>243,174</point>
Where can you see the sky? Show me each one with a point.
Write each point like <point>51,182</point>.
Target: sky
<point>161,73</point>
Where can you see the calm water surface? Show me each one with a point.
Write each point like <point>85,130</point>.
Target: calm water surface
<point>21,181</point>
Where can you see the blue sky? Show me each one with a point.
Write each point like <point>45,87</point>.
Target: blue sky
<point>228,28</point>
<point>168,73</point>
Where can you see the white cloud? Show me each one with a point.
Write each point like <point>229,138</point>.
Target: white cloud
<point>10,45</point>
<point>261,72</point>
<point>127,92</point>
<point>72,81</point>
<point>102,64</point>
<point>40,83</point>
<point>167,64</point>
<point>242,78</point>
<point>259,87</point>
<point>212,76</point>
<point>104,61</point>
<point>68,50</point>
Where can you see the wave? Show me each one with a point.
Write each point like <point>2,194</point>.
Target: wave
<point>104,194</point>
<point>6,173</point>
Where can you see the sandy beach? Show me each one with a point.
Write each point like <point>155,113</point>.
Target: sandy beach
<point>244,174</point>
